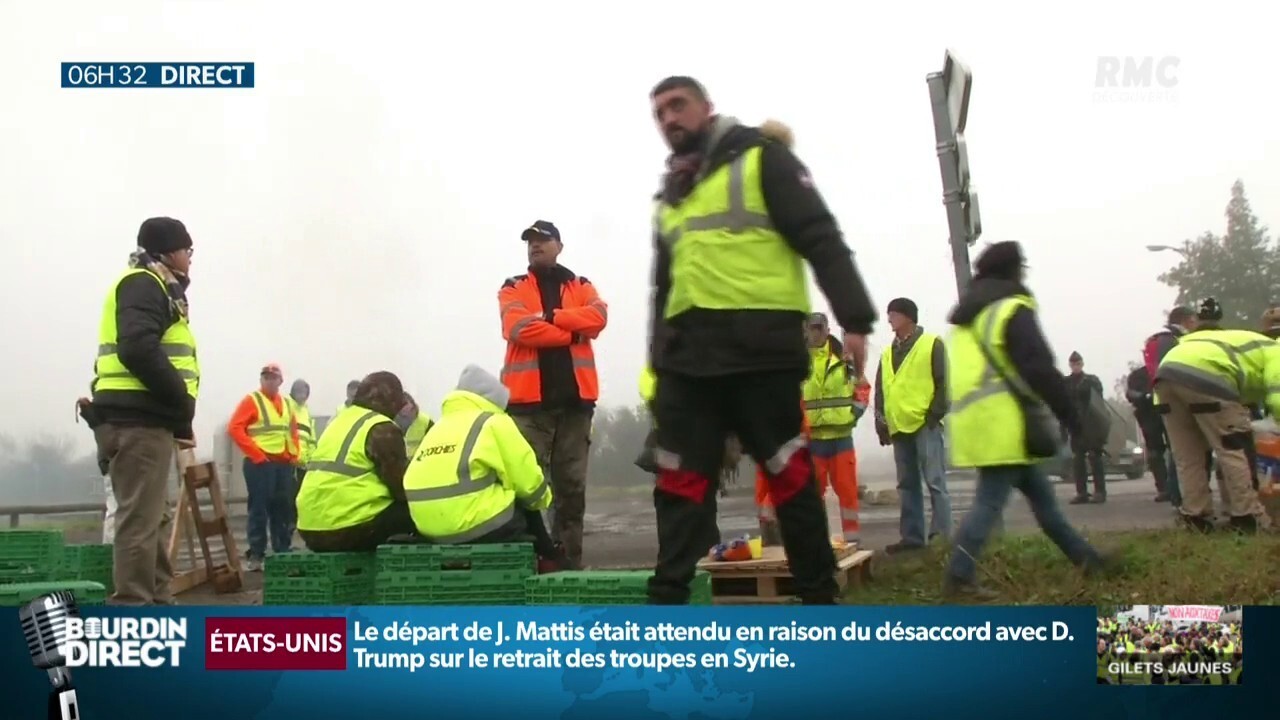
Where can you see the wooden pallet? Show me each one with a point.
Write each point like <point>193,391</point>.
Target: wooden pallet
<point>190,527</point>
<point>768,580</point>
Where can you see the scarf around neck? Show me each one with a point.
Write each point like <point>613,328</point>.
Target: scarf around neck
<point>175,288</point>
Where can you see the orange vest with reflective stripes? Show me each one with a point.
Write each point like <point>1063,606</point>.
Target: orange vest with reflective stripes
<point>580,318</point>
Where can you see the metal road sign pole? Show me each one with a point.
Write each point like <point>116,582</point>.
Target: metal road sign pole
<point>949,97</point>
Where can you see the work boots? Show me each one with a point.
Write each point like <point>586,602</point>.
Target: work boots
<point>1197,523</point>
<point>1245,525</point>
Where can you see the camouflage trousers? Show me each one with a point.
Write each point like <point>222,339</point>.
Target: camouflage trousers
<point>562,441</point>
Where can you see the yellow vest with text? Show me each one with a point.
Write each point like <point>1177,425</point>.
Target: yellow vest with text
<point>908,391</point>
<point>472,472</point>
<point>177,343</point>
<point>828,396</point>
<point>415,432</point>
<point>306,430</point>
<point>1233,365</point>
<point>341,488</point>
<point>986,425</point>
<point>272,431</point>
<point>725,253</point>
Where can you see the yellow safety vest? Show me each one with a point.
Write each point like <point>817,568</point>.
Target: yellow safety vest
<point>271,432</point>
<point>908,391</point>
<point>341,488</point>
<point>986,425</point>
<point>1233,365</point>
<point>725,253</point>
<point>306,430</point>
<point>470,471</point>
<point>648,385</point>
<point>415,432</point>
<point>177,343</point>
<point>828,396</point>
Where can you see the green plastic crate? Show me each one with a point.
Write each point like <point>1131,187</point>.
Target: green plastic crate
<point>30,555</point>
<point>452,587</point>
<point>85,592</point>
<point>588,587</point>
<point>329,566</point>
<point>355,590</point>
<point>91,562</point>
<point>441,558</point>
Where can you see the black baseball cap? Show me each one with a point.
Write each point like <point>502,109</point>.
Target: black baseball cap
<point>543,228</point>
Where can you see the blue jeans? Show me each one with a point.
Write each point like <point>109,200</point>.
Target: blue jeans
<point>919,457</point>
<point>994,486</point>
<point>270,487</point>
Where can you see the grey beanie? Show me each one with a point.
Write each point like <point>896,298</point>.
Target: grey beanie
<point>477,380</point>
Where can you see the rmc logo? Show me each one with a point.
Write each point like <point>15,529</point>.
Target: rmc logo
<point>1130,72</point>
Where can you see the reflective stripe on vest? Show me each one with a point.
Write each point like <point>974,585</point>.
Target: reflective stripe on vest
<point>986,425</point>
<point>342,488</point>
<point>339,465</point>
<point>908,391</point>
<point>467,485</point>
<point>725,253</point>
<point>271,431</point>
<point>177,343</point>
<point>1234,375</point>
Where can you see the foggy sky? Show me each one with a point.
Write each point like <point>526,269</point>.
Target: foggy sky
<point>359,209</point>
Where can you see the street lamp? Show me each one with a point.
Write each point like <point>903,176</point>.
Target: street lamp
<point>1159,248</point>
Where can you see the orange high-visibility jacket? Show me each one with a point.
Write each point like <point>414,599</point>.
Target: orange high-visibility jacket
<point>579,320</point>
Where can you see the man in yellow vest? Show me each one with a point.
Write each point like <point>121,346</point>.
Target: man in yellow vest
<point>911,400</point>
<point>299,393</point>
<point>476,479</point>
<point>146,379</point>
<point>352,497</point>
<point>264,428</point>
<point>1001,377</point>
<point>1203,385</point>
<point>414,423</point>
<point>735,221</point>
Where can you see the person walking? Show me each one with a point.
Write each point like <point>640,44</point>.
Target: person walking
<point>1204,385</point>
<point>911,402</point>
<point>1002,378</point>
<point>735,220</point>
<point>1088,445</point>
<point>264,428</point>
<point>550,317</point>
<point>147,379</point>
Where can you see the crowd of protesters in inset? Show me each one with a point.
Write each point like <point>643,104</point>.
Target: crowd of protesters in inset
<point>1136,652</point>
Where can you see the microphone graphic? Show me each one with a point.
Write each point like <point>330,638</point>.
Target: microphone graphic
<point>44,623</point>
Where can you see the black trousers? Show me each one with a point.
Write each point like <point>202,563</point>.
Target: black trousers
<point>693,418</point>
<point>365,537</point>
<point>1157,444</point>
<point>1087,461</point>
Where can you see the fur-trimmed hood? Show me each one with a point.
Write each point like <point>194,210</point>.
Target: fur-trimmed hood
<point>778,132</point>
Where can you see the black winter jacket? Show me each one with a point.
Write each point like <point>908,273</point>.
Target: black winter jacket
<point>143,314</point>
<point>703,342</point>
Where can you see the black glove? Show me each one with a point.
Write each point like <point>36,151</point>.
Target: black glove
<point>882,432</point>
<point>549,316</point>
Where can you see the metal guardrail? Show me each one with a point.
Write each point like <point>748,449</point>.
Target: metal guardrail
<point>15,512</point>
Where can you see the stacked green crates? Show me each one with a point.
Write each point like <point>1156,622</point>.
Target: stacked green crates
<point>589,587</point>
<point>454,574</point>
<point>29,556</point>
<point>92,562</point>
<point>85,592</point>
<point>304,578</point>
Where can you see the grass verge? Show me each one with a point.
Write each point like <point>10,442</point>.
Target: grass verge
<point>1171,566</point>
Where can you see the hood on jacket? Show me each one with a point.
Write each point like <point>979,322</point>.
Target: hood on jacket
<point>477,388</point>
<point>981,293</point>
<point>778,132</point>
<point>300,391</point>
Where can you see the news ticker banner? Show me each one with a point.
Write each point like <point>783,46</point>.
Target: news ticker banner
<point>617,663</point>
<point>104,75</point>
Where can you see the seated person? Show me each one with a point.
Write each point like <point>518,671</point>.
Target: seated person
<point>352,497</point>
<point>475,479</point>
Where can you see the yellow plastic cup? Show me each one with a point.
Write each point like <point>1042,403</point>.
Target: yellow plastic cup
<point>757,547</point>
